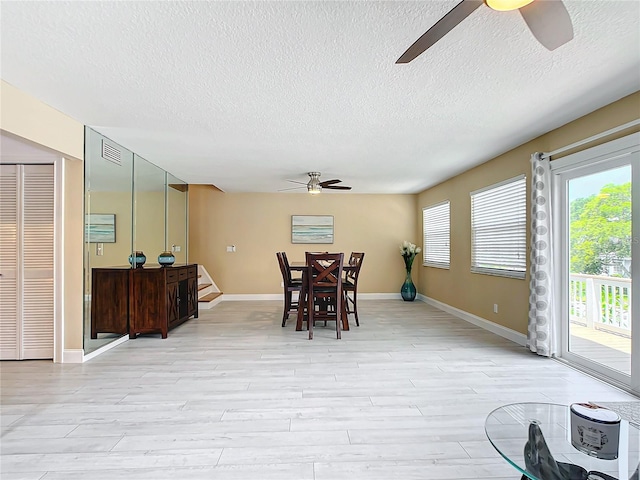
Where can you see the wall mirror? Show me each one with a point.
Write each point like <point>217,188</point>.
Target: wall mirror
<point>148,209</point>
<point>176,241</point>
<point>130,205</point>
<point>108,196</point>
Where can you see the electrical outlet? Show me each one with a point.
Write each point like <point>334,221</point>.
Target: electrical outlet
<point>495,308</point>
<point>231,248</point>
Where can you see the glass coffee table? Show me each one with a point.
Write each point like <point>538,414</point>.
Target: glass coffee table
<point>508,430</point>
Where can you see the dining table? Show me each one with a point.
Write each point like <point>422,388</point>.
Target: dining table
<point>302,302</point>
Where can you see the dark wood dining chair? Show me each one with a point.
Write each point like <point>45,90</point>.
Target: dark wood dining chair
<point>325,299</point>
<point>350,284</point>
<point>290,285</point>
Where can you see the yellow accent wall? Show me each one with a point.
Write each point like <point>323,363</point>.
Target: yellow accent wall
<point>259,225</point>
<point>475,293</point>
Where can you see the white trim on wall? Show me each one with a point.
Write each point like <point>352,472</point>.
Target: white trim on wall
<point>237,297</point>
<point>72,355</point>
<point>104,348</point>
<point>504,332</point>
<point>76,355</point>
<point>58,261</point>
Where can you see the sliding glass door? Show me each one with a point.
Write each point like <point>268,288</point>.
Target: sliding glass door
<point>599,236</point>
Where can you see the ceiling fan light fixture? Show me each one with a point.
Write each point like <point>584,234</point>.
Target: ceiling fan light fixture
<point>314,189</point>
<point>506,5</point>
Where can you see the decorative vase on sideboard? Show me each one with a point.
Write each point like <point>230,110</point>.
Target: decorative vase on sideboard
<point>166,258</point>
<point>137,260</point>
<point>408,290</point>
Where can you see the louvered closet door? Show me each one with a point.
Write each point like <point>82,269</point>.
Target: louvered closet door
<point>9,323</point>
<point>26,249</point>
<point>37,265</point>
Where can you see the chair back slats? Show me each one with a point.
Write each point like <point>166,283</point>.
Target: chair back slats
<point>290,286</point>
<point>286,273</point>
<point>324,288</point>
<point>350,285</point>
<point>355,260</point>
<point>325,269</point>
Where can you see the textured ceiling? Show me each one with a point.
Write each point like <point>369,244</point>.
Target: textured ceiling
<point>245,95</point>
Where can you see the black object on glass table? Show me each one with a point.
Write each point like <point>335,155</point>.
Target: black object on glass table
<point>541,463</point>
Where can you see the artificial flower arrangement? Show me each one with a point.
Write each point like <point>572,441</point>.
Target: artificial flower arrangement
<point>409,251</point>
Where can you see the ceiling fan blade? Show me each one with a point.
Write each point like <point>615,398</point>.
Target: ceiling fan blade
<point>336,187</point>
<point>295,181</point>
<point>292,188</point>
<point>329,182</point>
<point>549,22</point>
<point>440,29</point>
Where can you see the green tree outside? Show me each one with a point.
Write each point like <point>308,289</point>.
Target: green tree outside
<point>600,229</point>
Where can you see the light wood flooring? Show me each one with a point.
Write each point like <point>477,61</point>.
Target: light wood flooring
<point>234,396</point>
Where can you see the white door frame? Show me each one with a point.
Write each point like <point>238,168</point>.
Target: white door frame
<point>623,151</point>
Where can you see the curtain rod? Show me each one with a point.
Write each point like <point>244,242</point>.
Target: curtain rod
<point>579,143</point>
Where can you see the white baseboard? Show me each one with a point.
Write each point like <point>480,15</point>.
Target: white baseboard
<point>211,304</point>
<point>235,297</point>
<point>104,348</point>
<point>504,332</point>
<point>379,296</point>
<point>72,355</point>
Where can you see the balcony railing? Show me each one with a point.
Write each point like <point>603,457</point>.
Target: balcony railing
<point>602,303</point>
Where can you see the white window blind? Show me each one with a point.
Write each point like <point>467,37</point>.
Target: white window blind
<point>436,228</point>
<point>498,229</point>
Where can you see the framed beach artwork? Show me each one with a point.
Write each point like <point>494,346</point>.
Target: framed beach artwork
<point>311,228</point>
<point>100,228</point>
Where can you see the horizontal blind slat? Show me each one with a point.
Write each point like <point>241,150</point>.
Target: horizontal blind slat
<point>498,226</point>
<point>436,227</point>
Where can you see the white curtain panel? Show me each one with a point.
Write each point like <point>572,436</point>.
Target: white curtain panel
<point>540,335</point>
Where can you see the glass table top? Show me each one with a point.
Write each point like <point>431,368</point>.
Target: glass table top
<point>508,430</point>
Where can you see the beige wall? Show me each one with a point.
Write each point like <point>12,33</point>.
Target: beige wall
<point>73,225</point>
<point>118,203</point>
<point>29,118</point>
<point>475,293</point>
<point>259,225</point>
<point>149,230</point>
<point>176,231</point>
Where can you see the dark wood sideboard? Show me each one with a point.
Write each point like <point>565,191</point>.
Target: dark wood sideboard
<point>142,300</point>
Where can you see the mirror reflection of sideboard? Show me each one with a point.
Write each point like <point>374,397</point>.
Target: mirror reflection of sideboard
<point>150,299</point>
<point>131,205</point>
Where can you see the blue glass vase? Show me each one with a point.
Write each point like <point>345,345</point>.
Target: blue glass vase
<point>408,290</point>
<point>166,258</point>
<point>137,260</point>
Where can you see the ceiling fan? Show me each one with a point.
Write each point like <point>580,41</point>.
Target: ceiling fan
<point>548,20</point>
<point>315,186</point>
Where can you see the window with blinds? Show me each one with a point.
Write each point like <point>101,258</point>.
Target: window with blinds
<point>436,228</point>
<point>498,229</point>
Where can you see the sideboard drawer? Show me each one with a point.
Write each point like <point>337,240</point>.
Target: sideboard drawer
<point>172,275</point>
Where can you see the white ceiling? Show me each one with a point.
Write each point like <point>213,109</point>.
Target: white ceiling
<point>245,95</point>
